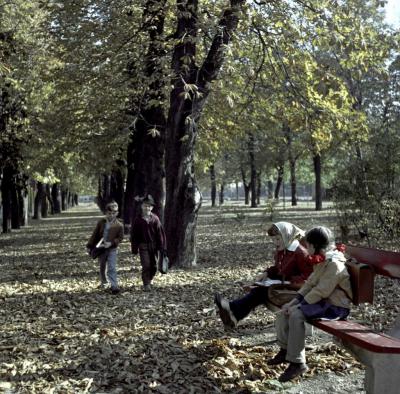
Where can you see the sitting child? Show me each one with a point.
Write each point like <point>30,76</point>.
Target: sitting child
<point>326,294</point>
<point>291,264</point>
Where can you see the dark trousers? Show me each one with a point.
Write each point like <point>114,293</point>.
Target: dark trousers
<point>241,307</point>
<point>148,260</point>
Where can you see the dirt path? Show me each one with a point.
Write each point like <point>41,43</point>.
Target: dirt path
<point>61,334</point>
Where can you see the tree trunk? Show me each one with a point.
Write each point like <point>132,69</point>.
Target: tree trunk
<point>15,204</point>
<point>237,190</point>
<point>293,183</point>
<point>258,187</point>
<point>221,193</point>
<point>246,186</point>
<point>45,202</point>
<point>64,198</point>
<point>270,187</point>
<point>6,186</point>
<point>145,155</point>
<point>279,182</point>
<point>213,186</point>
<point>191,87</point>
<point>56,197</point>
<point>117,186</point>
<point>49,199</point>
<point>318,184</point>
<point>40,192</point>
<point>253,171</point>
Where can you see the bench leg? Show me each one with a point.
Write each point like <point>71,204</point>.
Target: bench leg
<point>382,370</point>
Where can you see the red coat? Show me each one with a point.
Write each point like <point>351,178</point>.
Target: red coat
<point>293,266</point>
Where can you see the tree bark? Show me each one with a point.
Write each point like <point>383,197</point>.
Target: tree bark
<point>270,188</point>
<point>213,186</point>
<point>40,192</point>
<point>221,193</point>
<point>145,154</point>
<point>56,197</point>
<point>279,182</point>
<point>64,201</point>
<point>117,186</point>
<point>246,186</point>
<point>258,187</point>
<point>253,171</point>
<point>191,87</point>
<point>6,186</point>
<point>318,183</point>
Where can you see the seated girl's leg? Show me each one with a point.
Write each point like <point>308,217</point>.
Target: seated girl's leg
<point>241,307</point>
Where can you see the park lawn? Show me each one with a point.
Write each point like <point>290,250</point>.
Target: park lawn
<point>61,334</point>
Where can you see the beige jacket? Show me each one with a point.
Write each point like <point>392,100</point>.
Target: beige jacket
<point>329,281</point>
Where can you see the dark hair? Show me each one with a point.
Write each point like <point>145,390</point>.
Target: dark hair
<point>273,230</point>
<point>320,237</point>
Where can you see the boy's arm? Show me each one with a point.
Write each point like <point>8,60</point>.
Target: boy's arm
<point>92,240</point>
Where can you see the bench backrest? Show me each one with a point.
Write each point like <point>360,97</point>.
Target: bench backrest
<point>384,262</point>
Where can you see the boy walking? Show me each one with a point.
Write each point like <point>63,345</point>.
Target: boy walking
<point>108,233</point>
<point>148,239</point>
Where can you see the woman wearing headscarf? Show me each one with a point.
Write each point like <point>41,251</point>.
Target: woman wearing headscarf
<point>291,265</point>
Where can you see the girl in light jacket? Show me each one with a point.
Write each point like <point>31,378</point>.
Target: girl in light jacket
<point>326,294</point>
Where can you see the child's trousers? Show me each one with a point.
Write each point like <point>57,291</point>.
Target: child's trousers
<point>108,261</point>
<point>290,332</point>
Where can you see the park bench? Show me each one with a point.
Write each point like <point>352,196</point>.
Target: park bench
<point>379,352</point>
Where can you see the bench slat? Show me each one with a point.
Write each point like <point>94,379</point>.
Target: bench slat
<point>359,335</point>
<point>385,262</point>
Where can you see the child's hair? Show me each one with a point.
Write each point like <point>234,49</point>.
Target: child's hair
<point>112,206</point>
<point>320,237</point>
<point>273,231</point>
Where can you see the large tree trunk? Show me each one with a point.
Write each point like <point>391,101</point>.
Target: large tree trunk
<point>56,197</point>
<point>145,155</point>
<point>318,183</point>
<point>191,87</point>
<point>213,186</point>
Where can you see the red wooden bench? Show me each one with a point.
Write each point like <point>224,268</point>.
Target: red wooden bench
<point>379,352</point>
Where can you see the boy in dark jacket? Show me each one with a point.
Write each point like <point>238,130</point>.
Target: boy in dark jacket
<point>148,239</point>
<point>107,234</point>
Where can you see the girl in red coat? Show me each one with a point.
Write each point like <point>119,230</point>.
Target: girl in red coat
<point>291,265</point>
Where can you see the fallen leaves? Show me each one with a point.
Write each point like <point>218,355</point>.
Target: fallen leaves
<point>61,334</point>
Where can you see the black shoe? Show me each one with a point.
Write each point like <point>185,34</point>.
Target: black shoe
<point>225,312</point>
<point>279,358</point>
<point>292,371</point>
<point>115,291</point>
<point>147,288</point>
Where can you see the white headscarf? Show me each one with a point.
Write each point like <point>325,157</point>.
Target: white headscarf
<point>290,234</point>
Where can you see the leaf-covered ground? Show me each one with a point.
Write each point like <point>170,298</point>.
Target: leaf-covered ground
<point>62,334</point>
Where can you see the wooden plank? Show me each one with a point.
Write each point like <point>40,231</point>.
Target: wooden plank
<point>359,335</point>
<point>385,262</point>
